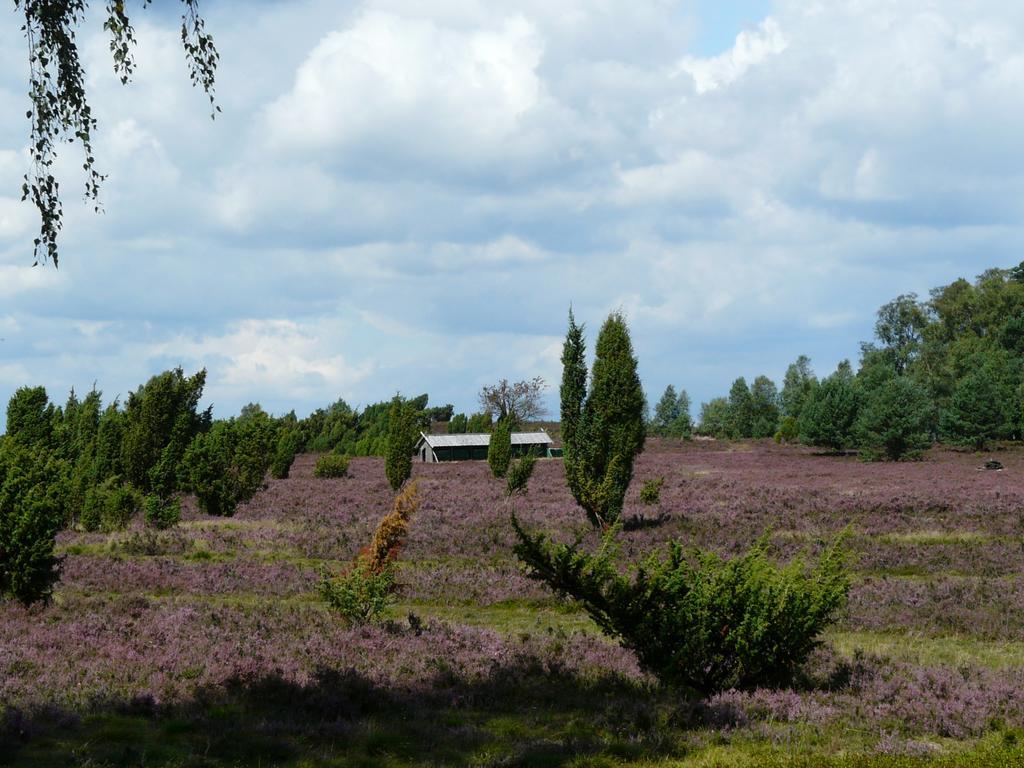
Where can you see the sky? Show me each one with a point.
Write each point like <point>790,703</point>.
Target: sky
<point>407,197</point>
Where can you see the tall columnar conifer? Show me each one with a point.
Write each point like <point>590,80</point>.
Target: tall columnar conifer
<point>601,446</point>
<point>572,394</point>
<point>499,450</point>
<point>401,437</point>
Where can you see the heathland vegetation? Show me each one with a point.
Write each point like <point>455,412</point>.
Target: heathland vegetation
<point>287,591</point>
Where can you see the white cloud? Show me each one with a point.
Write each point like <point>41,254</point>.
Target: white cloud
<point>750,49</point>
<point>277,357</point>
<point>391,87</point>
<point>409,195</point>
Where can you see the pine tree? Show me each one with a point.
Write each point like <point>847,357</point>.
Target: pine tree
<point>893,424</point>
<point>977,412</point>
<point>827,416</point>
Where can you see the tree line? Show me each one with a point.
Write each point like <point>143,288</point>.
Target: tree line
<point>947,368</point>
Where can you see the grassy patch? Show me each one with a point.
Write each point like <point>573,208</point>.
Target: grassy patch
<point>953,651</point>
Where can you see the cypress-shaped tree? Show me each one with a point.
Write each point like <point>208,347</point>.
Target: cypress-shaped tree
<point>499,450</point>
<point>610,432</point>
<point>401,439</point>
<point>572,394</point>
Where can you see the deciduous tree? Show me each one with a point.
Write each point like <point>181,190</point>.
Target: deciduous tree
<point>59,107</point>
<point>516,402</point>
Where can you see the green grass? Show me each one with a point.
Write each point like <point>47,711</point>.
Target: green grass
<point>950,651</point>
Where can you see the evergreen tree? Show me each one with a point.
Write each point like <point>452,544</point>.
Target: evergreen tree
<point>161,420</point>
<point>401,441</point>
<point>458,425</point>
<point>893,423</point>
<point>499,450</point>
<point>797,385</point>
<point>978,412</point>
<point>740,419</point>
<point>610,431</point>
<point>30,417</point>
<point>665,412</point>
<point>828,415</point>
<point>30,516</point>
<point>572,394</point>
<point>764,408</point>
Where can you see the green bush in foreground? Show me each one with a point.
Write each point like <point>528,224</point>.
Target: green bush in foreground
<point>693,619</point>
<point>368,586</point>
<point>331,465</point>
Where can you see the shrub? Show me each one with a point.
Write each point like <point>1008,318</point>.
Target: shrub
<point>368,587</point>
<point>650,493</point>
<point>120,503</point>
<point>161,513</point>
<point>458,425</point>
<point>789,430</point>
<point>479,423</point>
<point>359,595</point>
<point>331,465</point>
<point>208,463</point>
<point>693,619</point>
<point>499,450</point>
<point>284,454</point>
<point>519,474</point>
<point>226,465</point>
<point>30,517</point>
<point>255,437</point>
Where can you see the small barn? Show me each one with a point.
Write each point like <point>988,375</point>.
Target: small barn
<point>434,448</point>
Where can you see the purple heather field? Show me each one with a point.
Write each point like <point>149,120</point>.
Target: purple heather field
<point>930,645</point>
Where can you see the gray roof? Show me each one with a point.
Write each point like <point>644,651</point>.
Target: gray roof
<point>468,440</point>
